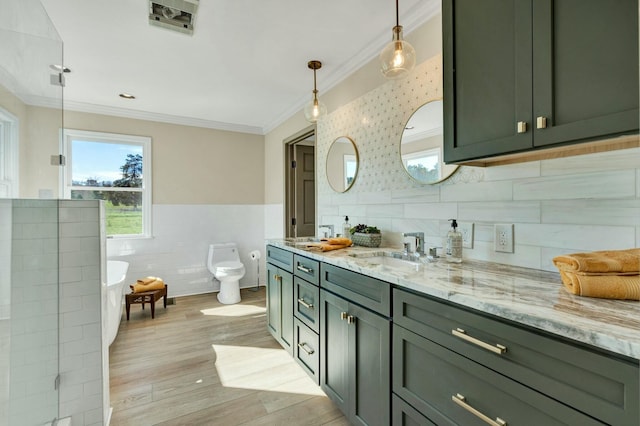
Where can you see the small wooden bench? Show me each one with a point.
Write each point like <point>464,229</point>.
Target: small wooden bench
<point>146,297</point>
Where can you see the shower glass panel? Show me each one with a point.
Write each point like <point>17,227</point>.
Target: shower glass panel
<point>28,311</point>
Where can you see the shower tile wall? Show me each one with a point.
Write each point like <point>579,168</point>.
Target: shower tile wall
<point>580,203</point>
<point>83,353</point>
<point>33,345</point>
<point>52,301</point>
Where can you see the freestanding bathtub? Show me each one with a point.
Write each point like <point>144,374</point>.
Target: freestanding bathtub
<point>116,278</point>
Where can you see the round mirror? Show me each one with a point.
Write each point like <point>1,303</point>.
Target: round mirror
<point>342,164</point>
<point>421,145</point>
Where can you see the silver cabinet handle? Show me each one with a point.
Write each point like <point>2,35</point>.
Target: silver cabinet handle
<point>351,319</point>
<point>305,304</point>
<point>497,349</point>
<point>305,269</point>
<point>541,122</point>
<point>303,346</point>
<point>343,315</point>
<point>461,401</point>
<point>522,127</point>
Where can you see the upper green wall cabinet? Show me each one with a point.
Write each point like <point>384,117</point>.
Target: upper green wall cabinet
<point>521,75</point>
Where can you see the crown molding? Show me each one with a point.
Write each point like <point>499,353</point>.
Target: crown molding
<point>413,18</point>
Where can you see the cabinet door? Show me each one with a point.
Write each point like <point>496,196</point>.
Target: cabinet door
<point>585,58</point>
<point>370,339</point>
<point>274,312</point>
<point>280,306</point>
<point>334,349</point>
<point>487,77</point>
<point>286,306</point>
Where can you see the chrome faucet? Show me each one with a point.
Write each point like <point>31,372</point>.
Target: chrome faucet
<point>326,235</point>
<point>419,241</point>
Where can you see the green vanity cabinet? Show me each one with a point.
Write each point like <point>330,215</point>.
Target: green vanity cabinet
<point>502,369</point>
<point>280,296</point>
<point>306,312</point>
<point>521,75</point>
<point>355,348</point>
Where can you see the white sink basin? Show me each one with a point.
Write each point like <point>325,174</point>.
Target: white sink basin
<point>387,262</point>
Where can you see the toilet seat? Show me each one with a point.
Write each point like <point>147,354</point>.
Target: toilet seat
<point>228,266</point>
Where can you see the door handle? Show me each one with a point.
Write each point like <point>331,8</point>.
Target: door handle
<point>522,127</point>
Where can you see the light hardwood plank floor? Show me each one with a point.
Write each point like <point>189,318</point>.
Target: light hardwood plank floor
<point>203,363</point>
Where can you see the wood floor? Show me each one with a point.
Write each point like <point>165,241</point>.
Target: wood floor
<point>203,363</point>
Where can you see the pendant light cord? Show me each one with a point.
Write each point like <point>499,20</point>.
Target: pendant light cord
<point>397,15</point>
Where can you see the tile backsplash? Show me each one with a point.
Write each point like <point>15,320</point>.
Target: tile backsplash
<point>581,203</point>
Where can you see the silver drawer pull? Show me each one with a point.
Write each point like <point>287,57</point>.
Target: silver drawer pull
<point>305,304</point>
<point>497,349</point>
<point>461,401</point>
<point>305,269</point>
<point>303,346</point>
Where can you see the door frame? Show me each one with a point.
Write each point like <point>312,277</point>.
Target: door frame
<point>290,179</point>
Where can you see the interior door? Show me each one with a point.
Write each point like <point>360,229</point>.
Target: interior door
<point>300,190</point>
<point>305,191</point>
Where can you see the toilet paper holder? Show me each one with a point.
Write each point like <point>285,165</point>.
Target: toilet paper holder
<point>255,256</point>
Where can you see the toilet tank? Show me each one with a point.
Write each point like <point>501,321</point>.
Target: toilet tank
<point>221,252</point>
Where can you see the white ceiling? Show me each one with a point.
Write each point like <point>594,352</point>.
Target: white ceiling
<point>243,69</point>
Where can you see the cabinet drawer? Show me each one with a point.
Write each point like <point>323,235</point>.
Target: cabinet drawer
<point>280,257</point>
<point>306,349</point>
<point>361,289</point>
<point>448,388</point>
<point>601,385</point>
<point>306,303</point>
<point>402,414</point>
<point>306,268</point>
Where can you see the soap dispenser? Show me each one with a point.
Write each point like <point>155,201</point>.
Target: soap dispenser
<point>346,228</point>
<point>454,243</point>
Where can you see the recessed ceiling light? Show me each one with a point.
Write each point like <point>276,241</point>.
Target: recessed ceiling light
<point>126,96</point>
<point>59,68</point>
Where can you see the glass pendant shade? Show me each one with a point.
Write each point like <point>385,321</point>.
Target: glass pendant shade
<point>314,110</point>
<point>398,57</point>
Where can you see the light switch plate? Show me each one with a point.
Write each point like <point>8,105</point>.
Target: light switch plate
<point>466,229</point>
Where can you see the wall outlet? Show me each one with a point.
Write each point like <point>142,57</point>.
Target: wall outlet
<point>503,238</point>
<point>466,229</point>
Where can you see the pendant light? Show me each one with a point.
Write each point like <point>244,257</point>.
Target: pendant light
<point>314,109</point>
<point>398,57</point>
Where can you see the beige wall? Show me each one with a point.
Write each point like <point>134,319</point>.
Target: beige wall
<point>427,40</point>
<point>190,165</point>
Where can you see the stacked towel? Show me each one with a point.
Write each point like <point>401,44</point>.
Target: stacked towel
<point>330,244</point>
<point>147,284</point>
<point>610,274</point>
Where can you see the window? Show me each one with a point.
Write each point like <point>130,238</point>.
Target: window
<point>8,155</point>
<point>424,166</point>
<point>114,168</point>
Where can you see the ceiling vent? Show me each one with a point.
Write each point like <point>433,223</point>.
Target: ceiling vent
<point>177,15</point>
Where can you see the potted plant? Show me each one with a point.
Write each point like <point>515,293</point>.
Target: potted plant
<point>367,236</point>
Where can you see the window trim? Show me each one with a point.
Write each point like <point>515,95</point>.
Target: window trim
<point>9,147</point>
<point>68,135</point>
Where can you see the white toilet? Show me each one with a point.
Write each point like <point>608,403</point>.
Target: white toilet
<point>224,263</point>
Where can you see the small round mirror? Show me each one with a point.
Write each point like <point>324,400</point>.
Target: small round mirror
<point>342,164</point>
<point>421,145</point>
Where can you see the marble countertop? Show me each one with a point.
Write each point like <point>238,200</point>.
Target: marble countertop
<point>527,296</point>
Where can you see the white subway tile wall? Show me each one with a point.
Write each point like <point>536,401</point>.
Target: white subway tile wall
<point>84,360</point>
<point>181,236</point>
<point>580,203</point>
